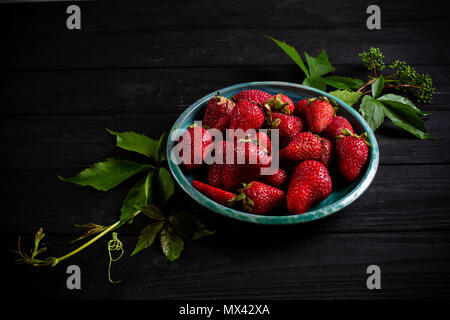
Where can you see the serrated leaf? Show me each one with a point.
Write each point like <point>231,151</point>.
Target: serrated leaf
<point>291,52</point>
<point>148,187</point>
<point>135,199</point>
<point>171,243</point>
<point>187,224</point>
<point>372,111</point>
<point>162,144</point>
<point>344,83</point>
<point>397,101</point>
<point>165,185</point>
<point>319,65</point>
<point>107,174</point>
<point>318,83</point>
<point>350,97</point>
<point>137,142</point>
<point>409,121</point>
<point>153,212</point>
<point>377,86</point>
<point>147,236</point>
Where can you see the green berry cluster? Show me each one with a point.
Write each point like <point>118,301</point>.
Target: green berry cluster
<point>372,58</point>
<point>422,83</point>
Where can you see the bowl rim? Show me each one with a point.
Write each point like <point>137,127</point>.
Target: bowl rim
<point>313,215</point>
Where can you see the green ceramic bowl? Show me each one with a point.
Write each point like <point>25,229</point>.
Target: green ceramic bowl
<point>342,194</point>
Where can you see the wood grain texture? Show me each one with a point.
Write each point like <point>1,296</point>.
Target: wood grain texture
<point>137,65</point>
<point>202,47</point>
<point>282,266</point>
<point>143,91</point>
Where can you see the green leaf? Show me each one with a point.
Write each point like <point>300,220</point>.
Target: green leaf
<point>153,212</point>
<point>408,120</point>
<point>397,101</point>
<point>319,65</point>
<point>107,174</point>
<point>372,111</point>
<point>344,83</point>
<point>318,83</point>
<point>147,236</point>
<point>291,52</point>
<point>187,224</point>
<point>377,86</point>
<point>135,199</point>
<point>351,97</point>
<point>162,144</point>
<point>148,187</point>
<point>171,243</point>
<point>137,142</point>
<point>165,185</point>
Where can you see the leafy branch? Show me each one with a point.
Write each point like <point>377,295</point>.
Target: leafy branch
<point>375,108</point>
<point>150,193</point>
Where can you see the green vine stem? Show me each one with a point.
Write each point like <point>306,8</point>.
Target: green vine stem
<point>52,261</point>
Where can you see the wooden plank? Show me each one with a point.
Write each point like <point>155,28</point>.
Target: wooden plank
<point>138,15</point>
<point>140,91</point>
<point>402,198</point>
<point>268,266</point>
<point>213,47</point>
<point>68,143</point>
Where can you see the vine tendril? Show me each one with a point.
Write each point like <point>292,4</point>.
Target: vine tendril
<point>114,245</point>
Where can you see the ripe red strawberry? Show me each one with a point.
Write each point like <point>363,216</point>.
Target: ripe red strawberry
<point>256,96</point>
<point>215,170</point>
<point>319,115</point>
<point>335,128</point>
<point>280,103</point>
<point>277,180</point>
<point>217,113</point>
<point>327,152</point>
<point>262,140</point>
<point>352,153</point>
<point>221,196</point>
<point>198,140</point>
<point>304,146</point>
<point>310,183</point>
<point>289,126</point>
<point>246,115</point>
<point>249,159</point>
<point>300,108</point>
<point>260,198</point>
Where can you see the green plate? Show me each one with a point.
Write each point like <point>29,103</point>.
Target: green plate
<point>342,194</point>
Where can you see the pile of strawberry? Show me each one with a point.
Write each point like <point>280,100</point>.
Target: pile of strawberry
<point>313,140</point>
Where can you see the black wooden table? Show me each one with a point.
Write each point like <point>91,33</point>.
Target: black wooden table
<point>137,66</point>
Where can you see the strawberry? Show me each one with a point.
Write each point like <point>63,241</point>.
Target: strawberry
<point>246,115</point>
<point>352,153</point>
<point>257,96</point>
<point>217,113</point>
<point>221,196</point>
<point>304,146</point>
<point>260,198</point>
<point>335,128</point>
<point>277,180</point>
<point>300,108</point>
<point>327,152</point>
<point>215,170</point>
<point>280,103</point>
<point>262,140</point>
<point>310,183</point>
<point>249,159</point>
<point>289,126</point>
<point>319,115</point>
<point>198,140</point>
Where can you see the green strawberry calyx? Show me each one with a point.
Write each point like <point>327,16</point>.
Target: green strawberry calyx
<point>346,132</point>
<point>247,203</point>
